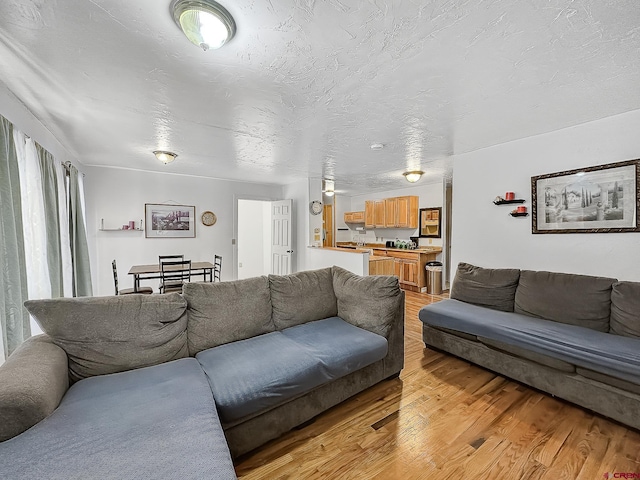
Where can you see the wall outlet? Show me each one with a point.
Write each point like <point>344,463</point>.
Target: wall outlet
<point>430,241</point>
<point>240,265</point>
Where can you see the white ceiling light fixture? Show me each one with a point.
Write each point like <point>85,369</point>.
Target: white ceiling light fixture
<point>164,156</point>
<point>377,146</point>
<point>413,176</point>
<point>328,188</point>
<point>205,23</point>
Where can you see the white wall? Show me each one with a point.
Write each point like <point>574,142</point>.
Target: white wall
<point>299,192</point>
<point>119,195</point>
<point>484,234</point>
<point>342,204</point>
<point>431,195</point>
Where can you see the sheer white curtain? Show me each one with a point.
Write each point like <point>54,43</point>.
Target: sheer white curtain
<point>67,268</point>
<point>34,225</point>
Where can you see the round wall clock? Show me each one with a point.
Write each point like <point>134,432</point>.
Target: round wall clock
<point>315,207</point>
<point>208,218</point>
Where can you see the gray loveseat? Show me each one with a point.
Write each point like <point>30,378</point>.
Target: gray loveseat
<point>167,386</point>
<point>574,336</point>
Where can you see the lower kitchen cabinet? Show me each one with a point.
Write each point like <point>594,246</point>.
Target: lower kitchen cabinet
<point>409,266</point>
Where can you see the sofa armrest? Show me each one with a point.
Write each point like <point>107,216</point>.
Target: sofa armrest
<point>34,379</point>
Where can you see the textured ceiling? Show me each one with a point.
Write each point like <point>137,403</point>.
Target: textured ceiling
<point>306,86</point>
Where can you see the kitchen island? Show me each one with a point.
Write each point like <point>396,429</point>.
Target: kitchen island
<point>376,259</point>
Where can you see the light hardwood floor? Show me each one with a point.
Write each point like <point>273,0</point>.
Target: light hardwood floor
<point>445,418</point>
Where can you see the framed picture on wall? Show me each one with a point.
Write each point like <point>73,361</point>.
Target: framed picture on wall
<point>431,222</point>
<point>169,221</point>
<point>601,199</point>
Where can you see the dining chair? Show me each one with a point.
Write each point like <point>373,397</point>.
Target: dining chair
<point>174,274</point>
<point>217,268</point>
<point>169,258</point>
<point>127,291</point>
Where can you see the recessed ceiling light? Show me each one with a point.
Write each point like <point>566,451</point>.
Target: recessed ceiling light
<point>205,23</point>
<point>377,146</point>
<point>413,176</point>
<point>164,156</point>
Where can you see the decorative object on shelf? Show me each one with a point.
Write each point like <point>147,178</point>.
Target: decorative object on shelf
<point>315,207</point>
<point>520,211</point>
<point>413,176</point>
<point>208,218</point>
<point>206,23</point>
<point>164,156</point>
<point>509,196</point>
<point>600,199</point>
<point>169,221</point>
<point>431,222</point>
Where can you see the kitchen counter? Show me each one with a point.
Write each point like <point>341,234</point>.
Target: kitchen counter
<point>381,246</point>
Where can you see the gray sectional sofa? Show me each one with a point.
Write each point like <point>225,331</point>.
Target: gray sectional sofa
<point>574,336</point>
<point>174,386</point>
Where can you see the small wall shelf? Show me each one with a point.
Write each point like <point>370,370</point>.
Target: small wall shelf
<point>509,202</point>
<point>137,229</point>
<point>519,214</point>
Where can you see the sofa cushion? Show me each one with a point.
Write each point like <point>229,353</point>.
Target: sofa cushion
<point>612,355</point>
<point>493,288</point>
<point>158,422</point>
<point>371,302</point>
<point>112,334</point>
<point>253,375</point>
<point>302,297</point>
<point>341,347</point>
<point>224,312</point>
<point>572,299</point>
<point>625,309</point>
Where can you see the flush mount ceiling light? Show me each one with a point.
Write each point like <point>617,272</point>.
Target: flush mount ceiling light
<point>414,176</point>
<point>377,146</point>
<point>205,23</point>
<point>328,188</point>
<point>165,157</point>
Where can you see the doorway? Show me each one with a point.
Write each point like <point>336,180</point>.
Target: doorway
<point>254,238</point>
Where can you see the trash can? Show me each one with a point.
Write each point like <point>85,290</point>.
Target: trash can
<point>434,277</point>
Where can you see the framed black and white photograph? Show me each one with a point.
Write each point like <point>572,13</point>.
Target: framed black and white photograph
<point>169,221</point>
<point>601,199</point>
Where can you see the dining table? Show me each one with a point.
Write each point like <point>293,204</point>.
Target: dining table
<point>153,271</point>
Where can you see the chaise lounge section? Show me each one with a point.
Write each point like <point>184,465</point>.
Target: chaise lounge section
<point>174,386</point>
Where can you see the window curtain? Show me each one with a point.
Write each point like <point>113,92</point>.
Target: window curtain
<point>78,235</point>
<point>14,319</point>
<point>44,251</point>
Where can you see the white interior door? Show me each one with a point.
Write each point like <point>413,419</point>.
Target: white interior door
<point>281,248</point>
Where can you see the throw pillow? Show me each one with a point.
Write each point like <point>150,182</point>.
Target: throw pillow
<point>625,309</point>
<point>104,335</point>
<point>225,312</point>
<point>372,302</point>
<point>302,297</point>
<point>493,288</point>
<point>579,300</point>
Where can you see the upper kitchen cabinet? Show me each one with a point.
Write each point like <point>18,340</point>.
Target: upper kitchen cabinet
<point>379,217</point>
<point>354,217</point>
<point>401,212</point>
<point>369,214</point>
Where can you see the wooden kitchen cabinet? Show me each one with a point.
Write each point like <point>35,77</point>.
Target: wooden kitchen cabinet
<point>354,217</point>
<point>390,212</point>
<point>407,212</point>
<point>401,212</point>
<point>409,267</point>
<point>369,214</point>
<point>379,216</point>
